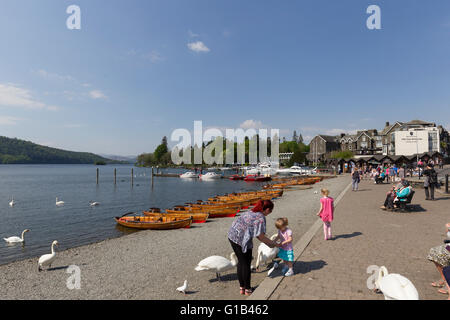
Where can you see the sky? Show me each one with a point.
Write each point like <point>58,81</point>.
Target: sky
<point>137,70</point>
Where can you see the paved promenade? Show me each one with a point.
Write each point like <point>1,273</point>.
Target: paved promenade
<point>364,235</point>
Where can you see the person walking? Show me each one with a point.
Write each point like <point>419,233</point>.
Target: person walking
<point>251,224</point>
<point>326,212</point>
<point>430,182</point>
<point>356,179</point>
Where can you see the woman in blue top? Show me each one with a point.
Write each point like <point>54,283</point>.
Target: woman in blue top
<point>249,225</point>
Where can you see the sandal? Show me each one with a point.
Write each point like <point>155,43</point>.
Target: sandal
<point>443,291</point>
<point>241,291</point>
<point>248,292</point>
<point>438,284</point>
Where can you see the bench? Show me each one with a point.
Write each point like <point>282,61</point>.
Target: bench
<point>403,205</point>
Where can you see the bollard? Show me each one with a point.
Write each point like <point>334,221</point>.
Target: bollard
<point>446,183</point>
<point>115,176</point>
<point>97,174</point>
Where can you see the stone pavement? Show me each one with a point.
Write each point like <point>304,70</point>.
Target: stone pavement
<point>364,235</point>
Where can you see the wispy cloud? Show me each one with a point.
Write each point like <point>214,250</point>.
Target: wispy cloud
<point>50,75</point>
<point>9,121</point>
<point>73,125</point>
<point>192,34</point>
<point>12,95</point>
<point>153,56</point>
<point>198,46</point>
<point>97,94</point>
<point>252,124</point>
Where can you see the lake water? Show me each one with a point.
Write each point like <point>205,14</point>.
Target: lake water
<point>35,188</point>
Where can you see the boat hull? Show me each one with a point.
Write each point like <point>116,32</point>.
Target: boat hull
<point>153,223</point>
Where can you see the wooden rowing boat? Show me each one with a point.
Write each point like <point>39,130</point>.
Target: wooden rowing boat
<point>154,223</point>
<point>197,217</point>
<point>212,213</point>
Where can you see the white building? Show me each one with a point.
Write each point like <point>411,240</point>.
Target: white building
<point>416,137</point>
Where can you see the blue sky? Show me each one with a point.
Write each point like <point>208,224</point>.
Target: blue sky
<point>137,69</point>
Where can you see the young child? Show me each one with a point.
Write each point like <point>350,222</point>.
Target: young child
<point>286,252</point>
<point>326,212</point>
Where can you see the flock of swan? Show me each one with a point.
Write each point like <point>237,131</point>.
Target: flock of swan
<point>58,203</point>
<point>47,259</point>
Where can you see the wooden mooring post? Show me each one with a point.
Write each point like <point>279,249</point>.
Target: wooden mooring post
<point>97,174</point>
<point>152,175</point>
<point>132,176</point>
<point>115,176</point>
<point>446,183</point>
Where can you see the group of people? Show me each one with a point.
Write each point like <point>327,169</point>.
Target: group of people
<point>252,224</point>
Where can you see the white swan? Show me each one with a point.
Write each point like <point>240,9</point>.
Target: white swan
<point>12,202</point>
<point>265,253</point>
<point>217,264</point>
<point>395,286</point>
<point>59,203</point>
<point>47,259</point>
<point>93,203</point>
<point>183,288</point>
<point>275,266</point>
<point>16,239</point>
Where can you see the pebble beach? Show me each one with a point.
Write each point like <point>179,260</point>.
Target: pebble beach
<point>152,264</point>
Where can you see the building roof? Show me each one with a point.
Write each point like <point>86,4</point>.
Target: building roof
<point>328,138</point>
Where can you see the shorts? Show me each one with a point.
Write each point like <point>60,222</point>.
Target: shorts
<point>286,255</point>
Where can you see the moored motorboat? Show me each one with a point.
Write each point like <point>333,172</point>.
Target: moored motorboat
<point>189,174</point>
<point>210,176</point>
<point>236,177</point>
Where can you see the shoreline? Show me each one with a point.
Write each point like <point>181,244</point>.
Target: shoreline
<point>151,264</point>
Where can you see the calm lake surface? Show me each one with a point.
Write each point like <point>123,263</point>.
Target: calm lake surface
<point>35,188</point>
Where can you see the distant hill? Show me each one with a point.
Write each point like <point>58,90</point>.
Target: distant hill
<point>129,159</point>
<point>16,151</point>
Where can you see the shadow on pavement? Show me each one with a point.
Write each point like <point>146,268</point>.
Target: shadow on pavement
<point>305,267</point>
<point>346,236</point>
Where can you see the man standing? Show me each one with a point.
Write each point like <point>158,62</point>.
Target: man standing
<point>431,180</point>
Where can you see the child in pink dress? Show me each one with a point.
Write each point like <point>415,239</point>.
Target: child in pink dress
<point>326,212</point>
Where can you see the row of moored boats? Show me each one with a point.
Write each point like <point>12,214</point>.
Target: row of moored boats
<point>229,205</point>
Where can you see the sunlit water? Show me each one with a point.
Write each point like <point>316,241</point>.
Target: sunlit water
<point>35,188</point>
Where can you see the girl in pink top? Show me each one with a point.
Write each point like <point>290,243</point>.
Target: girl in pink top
<point>326,212</point>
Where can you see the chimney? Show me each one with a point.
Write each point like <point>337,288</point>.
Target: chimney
<point>387,123</point>
<point>342,135</point>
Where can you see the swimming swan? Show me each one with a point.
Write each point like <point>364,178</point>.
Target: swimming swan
<point>93,203</point>
<point>47,259</point>
<point>12,202</point>
<point>59,203</point>
<point>217,264</point>
<point>395,286</point>
<point>16,239</point>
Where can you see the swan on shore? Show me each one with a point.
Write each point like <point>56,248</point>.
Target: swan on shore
<point>217,264</point>
<point>59,203</point>
<point>12,202</point>
<point>47,259</point>
<point>265,253</point>
<point>16,239</point>
<point>183,288</point>
<point>395,286</point>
